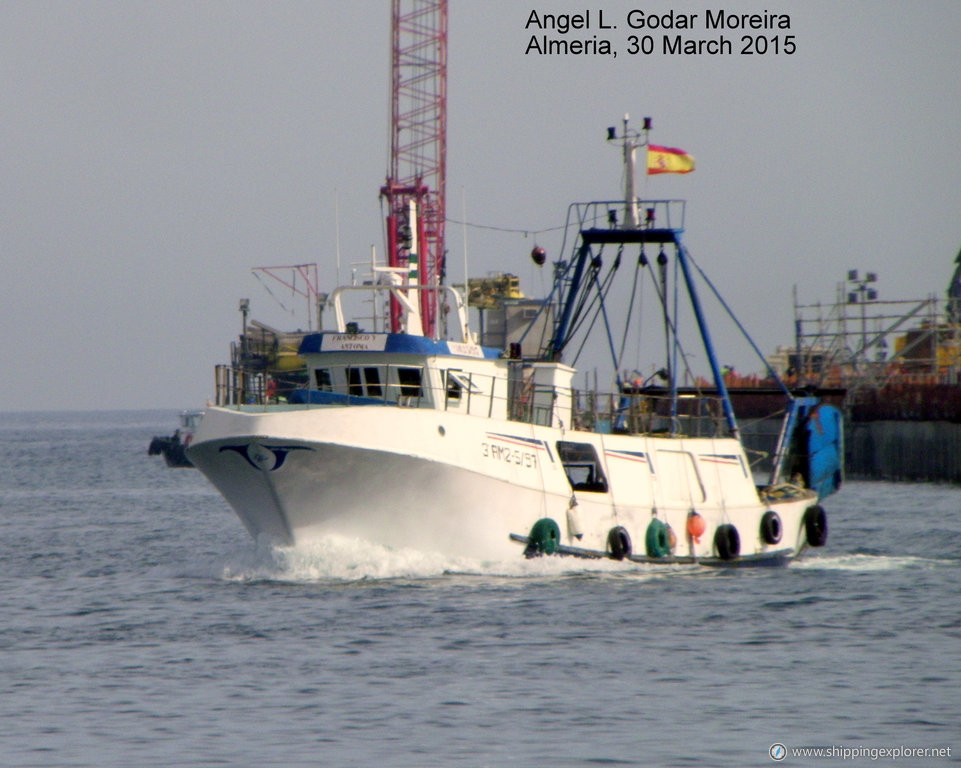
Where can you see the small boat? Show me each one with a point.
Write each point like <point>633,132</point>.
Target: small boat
<point>173,448</point>
<point>409,440</point>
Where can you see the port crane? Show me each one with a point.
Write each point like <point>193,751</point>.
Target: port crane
<point>416,165</point>
<point>418,153</point>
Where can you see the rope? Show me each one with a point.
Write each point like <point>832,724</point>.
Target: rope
<point>717,479</point>
<point>630,307</point>
<point>271,294</point>
<point>509,230</point>
<point>600,296</point>
<point>771,372</point>
<point>576,320</point>
<point>673,328</point>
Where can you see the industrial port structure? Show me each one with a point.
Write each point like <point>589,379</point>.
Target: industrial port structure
<point>898,364</point>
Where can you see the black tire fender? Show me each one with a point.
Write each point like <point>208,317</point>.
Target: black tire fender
<point>771,527</point>
<point>727,542</point>
<point>619,543</point>
<point>816,525</point>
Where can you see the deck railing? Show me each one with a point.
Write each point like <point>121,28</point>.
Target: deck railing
<point>647,412</point>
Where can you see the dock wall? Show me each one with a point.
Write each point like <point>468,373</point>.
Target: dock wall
<point>903,450</point>
<point>907,431</point>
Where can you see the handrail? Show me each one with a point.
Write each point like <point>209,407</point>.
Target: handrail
<point>398,289</point>
<point>626,412</point>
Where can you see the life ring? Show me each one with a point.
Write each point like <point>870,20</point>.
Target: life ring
<point>619,543</point>
<point>816,525</point>
<point>727,542</point>
<point>543,539</point>
<point>771,528</point>
<point>657,539</point>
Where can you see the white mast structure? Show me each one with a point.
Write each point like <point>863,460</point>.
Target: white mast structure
<point>630,141</point>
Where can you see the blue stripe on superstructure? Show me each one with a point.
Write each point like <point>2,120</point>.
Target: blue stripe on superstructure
<point>721,458</point>
<point>398,344</point>
<point>532,442</point>
<point>630,455</point>
<point>549,453</point>
<point>728,459</point>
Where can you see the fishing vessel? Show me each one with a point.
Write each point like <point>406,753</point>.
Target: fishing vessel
<point>408,439</point>
<point>174,447</point>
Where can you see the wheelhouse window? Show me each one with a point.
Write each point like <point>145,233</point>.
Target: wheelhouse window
<point>322,377</point>
<point>459,382</point>
<point>409,379</point>
<point>453,388</point>
<point>354,387</point>
<point>582,467</point>
<point>372,380</point>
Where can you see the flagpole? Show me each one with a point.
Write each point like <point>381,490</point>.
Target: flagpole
<point>630,195</point>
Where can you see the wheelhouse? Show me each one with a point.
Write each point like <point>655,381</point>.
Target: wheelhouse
<point>406,371</point>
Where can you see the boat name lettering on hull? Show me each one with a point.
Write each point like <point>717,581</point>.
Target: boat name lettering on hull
<point>509,455</point>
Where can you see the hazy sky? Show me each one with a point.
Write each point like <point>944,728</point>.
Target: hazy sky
<point>153,152</point>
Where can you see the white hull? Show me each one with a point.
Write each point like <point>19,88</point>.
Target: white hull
<point>438,481</point>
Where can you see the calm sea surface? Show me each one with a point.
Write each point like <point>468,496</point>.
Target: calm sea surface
<point>140,626</point>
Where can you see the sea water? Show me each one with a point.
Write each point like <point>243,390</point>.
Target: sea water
<point>140,626</point>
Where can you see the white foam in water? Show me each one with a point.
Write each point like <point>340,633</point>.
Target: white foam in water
<point>862,562</point>
<point>344,559</point>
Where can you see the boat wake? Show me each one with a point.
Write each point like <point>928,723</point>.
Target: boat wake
<point>341,559</point>
<point>867,562</point>
<point>345,560</point>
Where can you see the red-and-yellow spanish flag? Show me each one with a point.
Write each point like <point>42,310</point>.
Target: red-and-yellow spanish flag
<point>668,160</point>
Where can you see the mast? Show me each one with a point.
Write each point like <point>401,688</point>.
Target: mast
<point>630,141</point>
<point>659,226</point>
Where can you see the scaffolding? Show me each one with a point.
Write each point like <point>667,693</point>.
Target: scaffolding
<point>861,341</point>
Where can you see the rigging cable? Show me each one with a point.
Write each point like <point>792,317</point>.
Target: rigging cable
<point>576,319</point>
<point>271,294</point>
<point>630,307</point>
<point>508,230</point>
<point>607,323</point>
<point>673,329</point>
<point>601,294</point>
<point>771,372</point>
<point>677,288</point>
